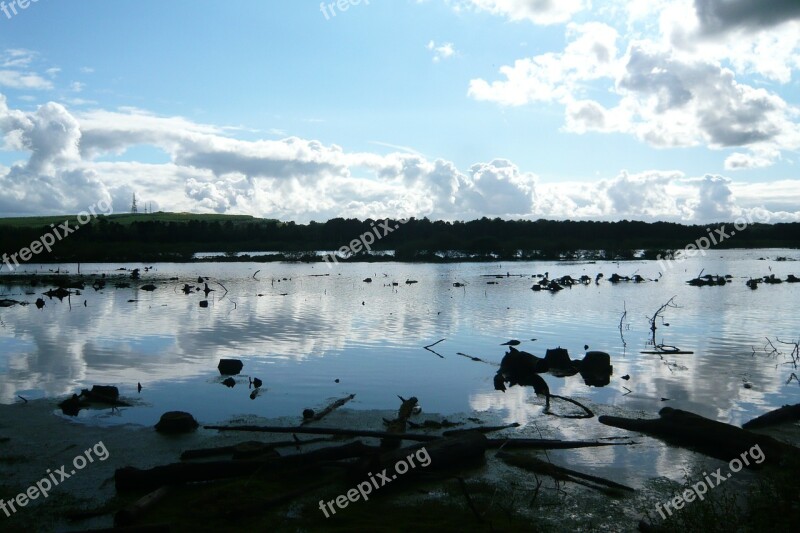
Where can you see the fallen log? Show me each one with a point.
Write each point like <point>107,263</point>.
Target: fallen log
<point>534,464</point>
<point>130,478</point>
<point>441,454</point>
<point>245,449</point>
<point>543,444</point>
<point>135,511</point>
<point>335,405</point>
<point>787,413</point>
<point>479,429</point>
<point>325,431</point>
<point>551,444</point>
<point>712,438</point>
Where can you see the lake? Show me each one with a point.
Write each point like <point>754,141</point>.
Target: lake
<point>302,327</point>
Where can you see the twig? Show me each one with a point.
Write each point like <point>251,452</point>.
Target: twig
<point>477,359</point>
<point>434,344</point>
<point>21,398</point>
<point>670,303</point>
<point>254,274</point>
<point>428,347</point>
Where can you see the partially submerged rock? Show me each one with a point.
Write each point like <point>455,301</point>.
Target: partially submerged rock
<point>230,367</point>
<point>176,422</point>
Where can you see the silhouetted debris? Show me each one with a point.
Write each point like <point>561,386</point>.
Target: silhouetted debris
<point>512,342</point>
<point>203,303</point>
<point>149,287</point>
<point>59,293</point>
<point>533,464</point>
<point>716,439</point>
<point>411,281</point>
<point>139,387</point>
<point>319,415</point>
<point>175,422</point>
<point>787,413</point>
<point>187,289</point>
<point>559,363</point>
<point>367,280</point>
<point>230,367</point>
<point>135,511</point>
<point>792,279</point>
<point>229,382</point>
<point>99,394</point>
<point>135,274</point>
<point>11,303</point>
<point>595,368</point>
<point>709,280</point>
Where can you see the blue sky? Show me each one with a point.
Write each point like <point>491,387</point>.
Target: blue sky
<point>684,110</point>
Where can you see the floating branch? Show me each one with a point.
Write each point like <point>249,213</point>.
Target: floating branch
<point>335,405</point>
<point>428,347</point>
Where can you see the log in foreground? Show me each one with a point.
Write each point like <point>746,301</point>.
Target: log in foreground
<point>542,444</point>
<point>787,413</point>
<point>716,439</point>
<point>130,478</point>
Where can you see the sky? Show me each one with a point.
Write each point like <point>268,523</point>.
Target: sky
<point>682,110</point>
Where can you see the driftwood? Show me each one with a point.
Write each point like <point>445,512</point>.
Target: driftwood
<point>130,478</point>
<point>244,450</point>
<point>135,511</point>
<point>479,429</point>
<point>335,405</point>
<point>550,444</point>
<point>534,464</point>
<point>542,444</point>
<point>787,413</point>
<point>441,454</point>
<point>716,439</point>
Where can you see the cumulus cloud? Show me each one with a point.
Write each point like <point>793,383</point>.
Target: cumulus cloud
<point>537,11</point>
<point>680,89</point>
<point>301,179</point>
<point>722,15</point>
<point>590,55</point>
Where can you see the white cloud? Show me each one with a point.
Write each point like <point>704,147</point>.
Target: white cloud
<point>542,12</point>
<point>591,54</point>
<point>680,87</point>
<point>302,180</point>
<point>441,51</point>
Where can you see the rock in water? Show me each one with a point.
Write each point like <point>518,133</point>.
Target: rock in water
<point>175,422</point>
<point>230,367</point>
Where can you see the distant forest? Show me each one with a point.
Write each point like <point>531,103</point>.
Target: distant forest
<point>168,237</point>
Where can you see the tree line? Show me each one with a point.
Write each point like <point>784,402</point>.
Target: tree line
<point>104,239</point>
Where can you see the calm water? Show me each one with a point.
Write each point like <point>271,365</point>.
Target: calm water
<point>301,333</point>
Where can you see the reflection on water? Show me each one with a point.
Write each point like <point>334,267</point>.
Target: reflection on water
<point>300,327</point>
